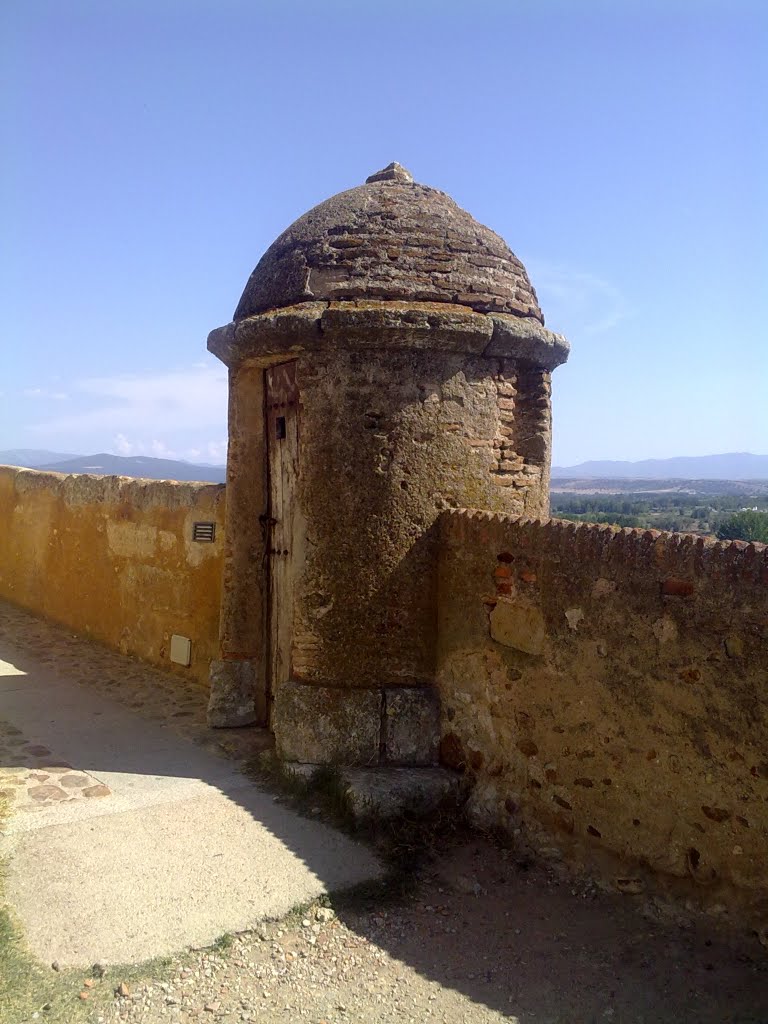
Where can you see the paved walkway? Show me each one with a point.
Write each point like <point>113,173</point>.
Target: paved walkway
<point>128,839</point>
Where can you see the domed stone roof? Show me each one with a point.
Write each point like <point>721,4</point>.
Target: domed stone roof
<point>390,239</point>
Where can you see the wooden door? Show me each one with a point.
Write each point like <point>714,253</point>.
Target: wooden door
<point>282,430</point>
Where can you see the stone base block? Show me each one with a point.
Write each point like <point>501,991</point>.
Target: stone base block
<point>325,725</point>
<point>388,792</point>
<point>330,725</point>
<point>234,693</point>
<point>411,725</point>
<point>391,792</point>
<point>294,771</point>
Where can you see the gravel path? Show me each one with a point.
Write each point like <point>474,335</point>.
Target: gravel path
<point>482,941</point>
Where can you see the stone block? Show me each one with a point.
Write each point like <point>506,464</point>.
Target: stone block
<point>518,625</point>
<point>234,687</point>
<point>391,792</point>
<point>523,338</point>
<point>411,725</point>
<point>293,771</point>
<point>326,725</point>
<point>734,646</point>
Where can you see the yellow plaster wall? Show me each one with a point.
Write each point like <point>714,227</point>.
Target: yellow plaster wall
<point>114,558</point>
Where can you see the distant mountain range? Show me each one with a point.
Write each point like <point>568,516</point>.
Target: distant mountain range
<point>140,466</point>
<point>31,458</point>
<point>731,466</point>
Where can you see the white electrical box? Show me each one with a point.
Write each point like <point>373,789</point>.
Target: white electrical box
<point>181,650</point>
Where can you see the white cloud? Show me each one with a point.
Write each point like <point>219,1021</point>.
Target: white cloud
<point>58,396</point>
<point>158,449</point>
<point>216,451</point>
<point>122,446</point>
<point>211,451</point>
<point>578,302</point>
<point>138,412</point>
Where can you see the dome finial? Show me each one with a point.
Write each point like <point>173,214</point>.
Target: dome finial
<point>392,172</point>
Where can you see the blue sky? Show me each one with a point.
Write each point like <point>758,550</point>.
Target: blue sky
<point>157,148</point>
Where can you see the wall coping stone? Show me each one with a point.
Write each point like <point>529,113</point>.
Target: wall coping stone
<point>77,488</point>
<point>683,554</point>
<point>317,326</point>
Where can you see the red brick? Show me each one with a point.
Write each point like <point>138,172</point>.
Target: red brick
<point>677,588</point>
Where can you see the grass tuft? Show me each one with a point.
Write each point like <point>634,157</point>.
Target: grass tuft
<point>28,987</point>
<point>406,843</point>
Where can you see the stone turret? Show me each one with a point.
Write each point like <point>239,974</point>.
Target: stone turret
<point>388,360</point>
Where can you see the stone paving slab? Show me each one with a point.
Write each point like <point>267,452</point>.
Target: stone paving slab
<point>164,697</point>
<point>31,789</point>
<point>179,847</point>
<point>31,776</point>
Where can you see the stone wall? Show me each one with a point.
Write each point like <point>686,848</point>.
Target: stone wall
<point>386,442</point>
<point>114,558</point>
<point>607,690</point>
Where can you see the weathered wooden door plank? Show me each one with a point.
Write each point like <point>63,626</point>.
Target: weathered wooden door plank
<point>282,447</point>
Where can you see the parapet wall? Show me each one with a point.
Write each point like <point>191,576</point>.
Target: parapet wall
<point>607,690</point>
<point>114,558</point>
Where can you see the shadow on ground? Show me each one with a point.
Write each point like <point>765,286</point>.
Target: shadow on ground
<point>177,847</point>
<point>527,943</point>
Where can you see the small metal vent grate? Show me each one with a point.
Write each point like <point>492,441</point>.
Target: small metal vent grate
<point>205,532</point>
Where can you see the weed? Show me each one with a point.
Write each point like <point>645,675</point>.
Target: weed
<point>28,987</point>
<point>223,943</point>
<point>405,843</point>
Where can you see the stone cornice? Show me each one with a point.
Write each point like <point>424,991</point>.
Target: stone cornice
<point>443,327</point>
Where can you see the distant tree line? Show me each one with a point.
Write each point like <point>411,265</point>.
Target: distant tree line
<point>748,524</point>
<point>727,516</point>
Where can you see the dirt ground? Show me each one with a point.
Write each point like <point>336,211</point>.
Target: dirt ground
<point>483,935</point>
<point>482,940</point>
